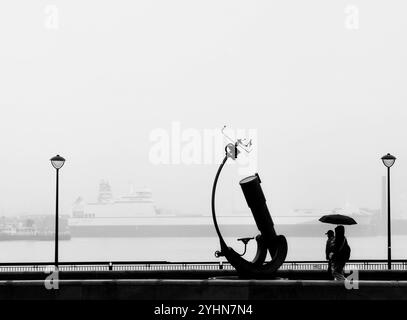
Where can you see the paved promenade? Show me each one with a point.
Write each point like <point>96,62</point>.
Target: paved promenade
<point>208,289</point>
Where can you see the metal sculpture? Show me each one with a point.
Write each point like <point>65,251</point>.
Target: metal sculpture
<point>267,240</point>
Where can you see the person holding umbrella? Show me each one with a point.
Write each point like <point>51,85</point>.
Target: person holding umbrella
<point>340,253</point>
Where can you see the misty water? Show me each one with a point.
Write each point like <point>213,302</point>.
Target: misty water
<point>182,249</point>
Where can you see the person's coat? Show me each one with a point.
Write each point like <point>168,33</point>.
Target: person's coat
<point>341,251</point>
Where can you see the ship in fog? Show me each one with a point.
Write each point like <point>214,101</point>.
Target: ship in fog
<point>135,214</point>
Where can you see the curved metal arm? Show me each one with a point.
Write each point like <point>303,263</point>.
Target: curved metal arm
<point>215,222</point>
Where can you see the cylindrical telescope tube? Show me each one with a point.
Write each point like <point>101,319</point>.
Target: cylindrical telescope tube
<point>257,203</point>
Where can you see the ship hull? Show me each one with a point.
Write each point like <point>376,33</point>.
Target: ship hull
<point>156,231</point>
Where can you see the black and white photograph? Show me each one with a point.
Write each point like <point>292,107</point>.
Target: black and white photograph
<point>203,159</point>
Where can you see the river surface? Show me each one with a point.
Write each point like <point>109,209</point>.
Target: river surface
<point>183,249</point>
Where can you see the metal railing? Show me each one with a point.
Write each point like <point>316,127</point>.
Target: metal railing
<point>140,266</point>
<point>372,265</point>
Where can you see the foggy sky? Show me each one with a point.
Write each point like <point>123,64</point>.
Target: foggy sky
<point>327,102</point>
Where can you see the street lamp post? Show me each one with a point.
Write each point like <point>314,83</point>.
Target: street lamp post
<point>57,162</point>
<point>388,161</point>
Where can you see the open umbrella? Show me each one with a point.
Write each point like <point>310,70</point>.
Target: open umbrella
<point>337,219</point>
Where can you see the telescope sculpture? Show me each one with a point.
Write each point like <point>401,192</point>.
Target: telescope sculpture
<point>267,240</point>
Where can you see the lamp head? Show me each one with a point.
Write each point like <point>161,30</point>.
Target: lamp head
<point>388,160</point>
<point>57,162</point>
